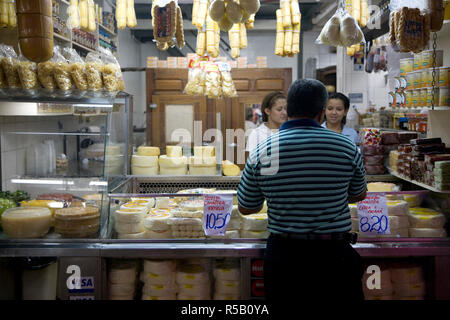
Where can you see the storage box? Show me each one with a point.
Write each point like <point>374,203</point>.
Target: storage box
<point>162,64</point>
<point>152,62</point>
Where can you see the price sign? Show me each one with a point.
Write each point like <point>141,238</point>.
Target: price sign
<point>373,215</point>
<point>216,213</point>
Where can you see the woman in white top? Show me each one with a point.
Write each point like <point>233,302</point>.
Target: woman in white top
<point>273,109</point>
<point>335,115</point>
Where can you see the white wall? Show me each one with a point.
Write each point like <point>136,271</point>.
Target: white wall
<point>322,53</point>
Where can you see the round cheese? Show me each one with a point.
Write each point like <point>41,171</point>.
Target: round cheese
<point>148,151</point>
<point>144,171</point>
<point>157,220</point>
<point>130,215</point>
<point>254,234</point>
<point>150,202</point>
<point>129,227</point>
<point>202,171</point>
<point>192,205</point>
<point>168,297</point>
<point>113,161</point>
<point>202,162</point>
<point>407,275</point>
<point>174,151</point>
<point>192,274</point>
<point>172,162</point>
<point>224,273</point>
<point>186,214</point>
<point>227,286</point>
<point>426,218</point>
<point>159,290</point>
<point>353,210</point>
<point>179,171</point>
<point>413,200</point>
<point>188,289</point>
<point>77,213</point>
<point>225,296</point>
<point>158,234</point>
<point>144,161</point>
<point>255,222</point>
<point>397,208</point>
<point>26,222</point>
<point>121,289</point>
<point>159,267</point>
<point>134,206</point>
<point>141,235</point>
<point>122,276</point>
<point>167,278</point>
<point>187,222</point>
<point>162,203</point>
<point>427,233</point>
<point>409,289</point>
<point>398,222</point>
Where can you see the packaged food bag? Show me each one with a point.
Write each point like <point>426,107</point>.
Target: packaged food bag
<point>112,75</point>
<point>61,71</point>
<point>76,68</point>
<point>9,64</point>
<point>94,69</point>
<point>196,79</point>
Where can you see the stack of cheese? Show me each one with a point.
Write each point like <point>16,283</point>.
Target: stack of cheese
<point>156,222</point>
<point>227,280</point>
<point>255,225</point>
<point>413,199</point>
<point>203,162</point>
<point>122,281</point>
<point>159,278</point>
<point>129,220</point>
<point>187,221</point>
<point>398,219</point>
<point>384,292</point>
<point>113,159</point>
<point>173,163</point>
<point>408,282</point>
<point>424,222</point>
<point>193,282</point>
<point>145,162</point>
<point>26,222</point>
<point>77,222</point>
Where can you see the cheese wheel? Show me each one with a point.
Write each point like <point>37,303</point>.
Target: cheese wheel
<point>158,234</point>
<point>230,234</point>
<point>122,276</point>
<point>159,290</point>
<point>168,297</point>
<point>167,171</point>
<point>144,161</point>
<point>148,151</point>
<point>28,222</point>
<point>174,151</point>
<point>162,203</point>
<point>129,227</point>
<point>409,289</point>
<point>427,233</point>
<point>407,275</point>
<point>202,289</point>
<point>130,215</point>
<point>227,286</point>
<point>150,201</point>
<point>353,210</point>
<point>426,218</point>
<point>254,234</point>
<point>192,205</point>
<point>234,224</point>
<point>121,289</point>
<point>160,267</point>
<point>172,162</point>
<point>224,273</point>
<point>144,171</point>
<point>157,220</point>
<point>398,222</point>
<point>141,235</point>
<point>397,208</point>
<point>202,171</point>
<point>134,206</point>
<point>192,274</point>
<point>167,278</point>
<point>225,296</point>
<point>176,213</point>
<point>255,222</point>
<point>413,200</point>
<point>202,161</point>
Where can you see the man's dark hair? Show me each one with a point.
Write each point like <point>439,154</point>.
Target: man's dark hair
<point>306,98</point>
<point>345,101</point>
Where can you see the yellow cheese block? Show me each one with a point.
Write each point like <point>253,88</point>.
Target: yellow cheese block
<point>166,161</point>
<point>204,151</point>
<point>174,151</point>
<point>26,222</point>
<point>381,187</point>
<point>144,161</point>
<point>230,169</point>
<point>202,161</point>
<point>148,151</point>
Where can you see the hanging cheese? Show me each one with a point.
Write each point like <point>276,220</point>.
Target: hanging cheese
<point>296,39</point>
<point>250,24</point>
<point>286,10</point>
<point>217,10</point>
<point>4,19</point>
<point>364,13</point>
<point>195,7</point>
<point>295,10</point>
<point>84,14</point>
<point>243,36</point>
<point>12,19</point>
<point>225,24</point>
<point>233,36</point>
<point>288,39</point>
<point>131,15</point>
<point>201,14</point>
<point>233,11</point>
<point>201,42</point>
<point>216,39</point>
<point>245,16</point>
<point>210,36</point>
<point>91,16</point>
<point>279,41</point>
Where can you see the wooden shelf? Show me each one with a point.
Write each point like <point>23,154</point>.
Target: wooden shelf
<point>61,37</point>
<point>83,47</point>
<point>381,178</point>
<point>420,184</point>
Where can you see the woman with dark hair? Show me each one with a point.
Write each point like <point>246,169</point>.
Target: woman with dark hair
<point>273,109</point>
<point>335,116</point>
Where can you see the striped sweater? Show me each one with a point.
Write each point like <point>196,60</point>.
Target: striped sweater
<point>306,173</point>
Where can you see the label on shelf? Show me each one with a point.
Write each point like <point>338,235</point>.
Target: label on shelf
<point>373,215</point>
<point>216,213</point>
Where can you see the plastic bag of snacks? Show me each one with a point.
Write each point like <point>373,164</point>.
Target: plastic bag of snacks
<point>94,68</point>
<point>112,75</point>
<point>45,74</point>
<point>61,71</point>
<point>76,68</point>
<point>196,79</point>
<point>228,88</point>
<point>27,71</point>
<point>213,80</point>
<point>9,65</point>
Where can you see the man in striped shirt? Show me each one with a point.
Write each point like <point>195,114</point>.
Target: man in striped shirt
<point>308,175</point>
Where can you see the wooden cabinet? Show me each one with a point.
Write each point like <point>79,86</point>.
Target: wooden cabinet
<point>165,94</point>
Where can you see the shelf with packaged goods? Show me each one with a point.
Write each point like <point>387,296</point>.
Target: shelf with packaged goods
<point>420,184</point>
<point>61,37</point>
<point>381,178</point>
<point>79,45</point>
<point>107,30</point>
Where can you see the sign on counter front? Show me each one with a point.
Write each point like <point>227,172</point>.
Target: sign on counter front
<point>373,215</point>
<point>216,213</point>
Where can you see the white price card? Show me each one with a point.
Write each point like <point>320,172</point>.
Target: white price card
<point>216,213</point>
<point>373,215</point>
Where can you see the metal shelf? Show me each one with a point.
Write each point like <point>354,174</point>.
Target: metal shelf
<point>420,184</point>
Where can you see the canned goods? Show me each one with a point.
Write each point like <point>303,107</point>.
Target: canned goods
<point>423,98</point>
<point>427,58</point>
<point>406,65</point>
<point>424,78</point>
<point>415,98</point>
<point>416,75</point>
<point>444,75</point>
<point>444,97</point>
<point>418,61</point>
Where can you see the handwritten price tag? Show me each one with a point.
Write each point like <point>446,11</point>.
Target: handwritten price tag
<point>373,215</point>
<point>216,213</point>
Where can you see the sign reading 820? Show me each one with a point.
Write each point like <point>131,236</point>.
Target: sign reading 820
<point>375,223</point>
<point>216,220</point>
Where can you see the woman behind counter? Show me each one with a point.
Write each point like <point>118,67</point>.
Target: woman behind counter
<point>274,113</point>
<point>335,115</point>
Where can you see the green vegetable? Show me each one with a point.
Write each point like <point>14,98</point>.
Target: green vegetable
<point>16,196</point>
<point>5,204</point>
